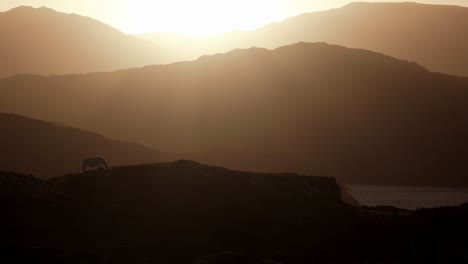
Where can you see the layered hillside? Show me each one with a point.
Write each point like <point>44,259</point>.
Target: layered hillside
<point>435,36</point>
<point>44,41</point>
<point>49,150</point>
<point>317,109</point>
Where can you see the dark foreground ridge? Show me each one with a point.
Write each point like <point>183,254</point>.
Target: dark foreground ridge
<point>186,212</point>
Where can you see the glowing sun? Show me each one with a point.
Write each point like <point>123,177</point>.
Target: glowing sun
<point>199,17</point>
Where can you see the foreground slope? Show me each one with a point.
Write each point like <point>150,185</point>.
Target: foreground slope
<point>183,211</point>
<point>435,36</point>
<point>360,116</point>
<point>48,150</point>
<point>44,41</point>
<point>173,212</point>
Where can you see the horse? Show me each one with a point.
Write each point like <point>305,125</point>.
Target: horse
<point>96,162</point>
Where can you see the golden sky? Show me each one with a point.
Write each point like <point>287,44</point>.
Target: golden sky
<point>191,16</point>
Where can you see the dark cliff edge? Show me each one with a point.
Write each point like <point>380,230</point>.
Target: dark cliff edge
<point>17,181</point>
<point>186,212</point>
<point>186,178</point>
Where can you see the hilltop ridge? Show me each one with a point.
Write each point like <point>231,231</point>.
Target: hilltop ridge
<point>431,35</point>
<point>67,43</point>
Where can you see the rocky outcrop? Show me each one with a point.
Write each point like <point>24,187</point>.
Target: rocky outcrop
<point>185,178</point>
<point>12,181</point>
<point>184,212</point>
<point>181,206</point>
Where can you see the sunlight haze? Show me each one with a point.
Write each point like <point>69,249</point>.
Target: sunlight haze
<point>187,16</point>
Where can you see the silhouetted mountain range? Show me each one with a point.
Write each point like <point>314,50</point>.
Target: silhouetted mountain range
<point>435,36</point>
<point>44,41</point>
<point>48,150</point>
<point>315,109</point>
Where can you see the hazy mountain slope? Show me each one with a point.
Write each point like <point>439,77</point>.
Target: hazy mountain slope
<point>435,36</point>
<point>48,150</point>
<point>44,41</point>
<point>432,35</point>
<point>311,108</point>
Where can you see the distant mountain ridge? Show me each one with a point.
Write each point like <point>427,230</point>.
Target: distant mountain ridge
<point>435,36</point>
<point>47,150</point>
<point>310,108</point>
<point>44,41</point>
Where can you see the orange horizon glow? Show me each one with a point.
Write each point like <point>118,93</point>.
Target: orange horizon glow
<point>192,17</point>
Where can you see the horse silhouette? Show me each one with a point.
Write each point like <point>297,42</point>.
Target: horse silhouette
<point>96,162</point>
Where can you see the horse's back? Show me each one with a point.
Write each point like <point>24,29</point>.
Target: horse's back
<point>93,162</point>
